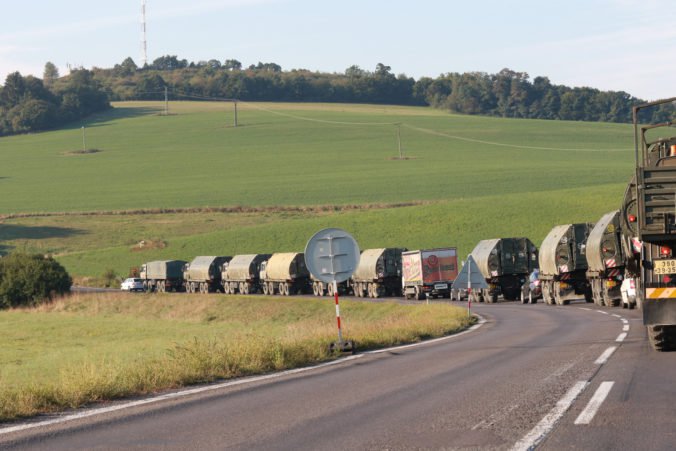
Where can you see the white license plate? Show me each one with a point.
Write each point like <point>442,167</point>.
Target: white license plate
<point>664,266</point>
<point>440,286</point>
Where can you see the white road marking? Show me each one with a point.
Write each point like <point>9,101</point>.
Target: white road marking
<point>587,415</point>
<point>620,338</point>
<point>625,328</point>
<point>540,431</point>
<point>616,315</point>
<point>603,358</point>
<point>585,308</point>
<point>625,321</point>
<point>601,311</point>
<point>192,391</point>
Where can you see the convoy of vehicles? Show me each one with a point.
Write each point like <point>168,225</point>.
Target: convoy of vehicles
<point>627,258</point>
<point>506,264</point>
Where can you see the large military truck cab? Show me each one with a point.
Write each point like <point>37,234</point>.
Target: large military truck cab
<point>654,223</point>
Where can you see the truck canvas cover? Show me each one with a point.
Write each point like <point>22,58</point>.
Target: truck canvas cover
<point>505,256</point>
<point>245,266</point>
<point>285,266</point>
<point>604,249</point>
<point>563,249</point>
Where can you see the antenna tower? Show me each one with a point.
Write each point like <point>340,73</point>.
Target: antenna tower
<point>144,48</point>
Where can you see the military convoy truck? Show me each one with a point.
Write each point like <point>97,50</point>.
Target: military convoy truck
<point>429,272</point>
<point>242,274</point>
<point>506,264</point>
<point>285,273</point>
<point>563,264</point>
<point>378,273</point>
<point>649,208</point>
<point>162,275</point>
<point>203,274</point>
<point>606,260</point>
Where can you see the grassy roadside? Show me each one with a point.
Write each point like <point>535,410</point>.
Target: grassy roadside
<point>90,348</point>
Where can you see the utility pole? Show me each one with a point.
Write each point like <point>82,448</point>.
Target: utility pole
<point>166,102</point>
<point>235,112</point>
<point>84,144</point>
<point>401,155</point>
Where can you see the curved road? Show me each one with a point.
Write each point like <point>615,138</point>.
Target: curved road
<point>530,375</point>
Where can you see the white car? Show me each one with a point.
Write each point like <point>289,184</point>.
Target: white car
<point>628,290</point>
<point>132,284</point>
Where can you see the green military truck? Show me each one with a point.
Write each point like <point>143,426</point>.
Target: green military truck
<point>563,264</point>
<point>606,260</point>
<point>242,274</point>
<point>506,264</point>
<point>203,274</point>
<point>378,273</point>
<point>649,209</point>
<point>285,273</point>
<point>162,275</point>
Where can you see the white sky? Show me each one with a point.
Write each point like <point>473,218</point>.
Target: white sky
<point>620,45</point>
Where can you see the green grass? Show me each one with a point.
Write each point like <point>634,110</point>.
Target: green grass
<point>276,157</point>
<point>475,178</point>
<point>96,347</point>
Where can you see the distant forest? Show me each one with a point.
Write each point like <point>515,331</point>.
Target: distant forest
<point>28,103</point>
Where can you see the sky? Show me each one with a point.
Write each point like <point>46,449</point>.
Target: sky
<point>611,45</point>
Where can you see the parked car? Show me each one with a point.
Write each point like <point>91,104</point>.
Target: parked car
<point>132,284</point>
<point>628,291</point>
<point>532,290</point>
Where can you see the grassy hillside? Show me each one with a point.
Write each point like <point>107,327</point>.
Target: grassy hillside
<point>300,154</point>
<point>469,178</point>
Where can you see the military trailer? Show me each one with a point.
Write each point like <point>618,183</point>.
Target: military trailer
<point>285,273</point>
<point>162,275</point>
<point>563,264</point>
<point>506,264</point>
<point>649,209</point>
<point>429,272</point>
<point>378,273</point>
<point>203,274</point>
<point>242,274</point>
<point>606,260</point>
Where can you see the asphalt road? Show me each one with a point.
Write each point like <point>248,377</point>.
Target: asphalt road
<point>524,378</point>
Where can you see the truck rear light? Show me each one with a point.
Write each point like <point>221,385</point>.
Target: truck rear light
<point>632,218</point>
<point>665,251</point>
<point>666,279</point>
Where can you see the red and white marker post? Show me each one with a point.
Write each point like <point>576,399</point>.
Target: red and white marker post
<point>340,332</point>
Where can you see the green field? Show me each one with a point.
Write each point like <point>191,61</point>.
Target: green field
<point>94,347</point>
<point>469,178</point>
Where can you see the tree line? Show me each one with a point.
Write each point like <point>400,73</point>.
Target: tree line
<point>27,103</point>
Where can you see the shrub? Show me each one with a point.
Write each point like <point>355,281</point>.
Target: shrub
<point>27,280</point>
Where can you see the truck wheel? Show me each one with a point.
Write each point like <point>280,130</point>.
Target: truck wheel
<point>607,299</point>
<point>378,290</point>
<point>531,299</point>
<point>226,287</point>
<point>314,288</point>
<point>546,292</point>
<point>524,299</point>
<point>657,337</point>
<point>265,289</point>
<point>596,292</point>
<point>329,290</point>
<point>358,290</point>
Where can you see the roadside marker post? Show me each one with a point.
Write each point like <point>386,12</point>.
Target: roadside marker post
<point>470,276</point>
<point>331,256</point>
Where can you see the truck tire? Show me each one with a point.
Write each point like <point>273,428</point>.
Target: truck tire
<point>658,338</point>
<point>597,292</point>
<point>265,289</point>
<point>558,295</point>
<point>610,302</point>
<point>359,290</point>
<point>547,292</point>
<point>329,290</point>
